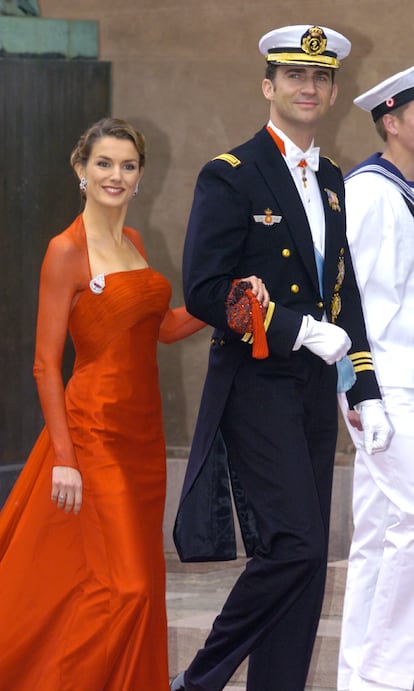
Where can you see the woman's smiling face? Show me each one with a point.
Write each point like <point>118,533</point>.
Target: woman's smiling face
<point>112,172</point>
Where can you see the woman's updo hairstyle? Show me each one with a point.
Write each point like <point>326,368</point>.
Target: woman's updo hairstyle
<point>107,127</point>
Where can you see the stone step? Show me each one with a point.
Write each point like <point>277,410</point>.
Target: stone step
<point>195,594</point>
<point>334,589</point>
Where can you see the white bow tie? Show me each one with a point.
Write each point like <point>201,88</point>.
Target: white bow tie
<point>310,159</point>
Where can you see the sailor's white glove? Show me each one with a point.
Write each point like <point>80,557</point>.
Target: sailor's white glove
<point>326,340</point>
<point>377,431</point>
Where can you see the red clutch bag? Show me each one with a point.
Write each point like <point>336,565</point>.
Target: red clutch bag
<point>246,315</point>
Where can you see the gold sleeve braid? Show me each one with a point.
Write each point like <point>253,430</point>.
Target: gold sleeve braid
<point>362,361</point>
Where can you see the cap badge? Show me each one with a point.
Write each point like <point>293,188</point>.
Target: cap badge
<point>390,102</point>
<point>333,200</point>
<point>267,218</point>
<point>314,41</point>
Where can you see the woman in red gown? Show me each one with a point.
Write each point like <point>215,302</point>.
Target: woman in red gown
<point>82,576</point>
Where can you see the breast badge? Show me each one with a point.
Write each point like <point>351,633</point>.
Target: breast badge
<point>267,218</point>
<point>333,200</point>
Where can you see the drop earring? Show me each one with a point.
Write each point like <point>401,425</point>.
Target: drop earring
<point>135,192</point>
<point>83,183</point>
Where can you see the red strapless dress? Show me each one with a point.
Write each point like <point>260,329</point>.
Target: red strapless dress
<point>82,598</point>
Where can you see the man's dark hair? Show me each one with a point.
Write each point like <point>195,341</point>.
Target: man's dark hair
<point>270,71</point>
<point>271,68</point>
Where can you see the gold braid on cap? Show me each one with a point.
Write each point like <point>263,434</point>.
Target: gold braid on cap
<point>295,58</point>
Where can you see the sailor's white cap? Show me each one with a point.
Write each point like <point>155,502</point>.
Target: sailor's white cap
<point>388,95</point>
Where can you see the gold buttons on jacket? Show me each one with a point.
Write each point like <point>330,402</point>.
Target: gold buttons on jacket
<point>294,288</point>
<point>286,253</point>
<point>319,304</point>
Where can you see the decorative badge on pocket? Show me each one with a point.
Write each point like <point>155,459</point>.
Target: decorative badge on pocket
<point>267,218</point>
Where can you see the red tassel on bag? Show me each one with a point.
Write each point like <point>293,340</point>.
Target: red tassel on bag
<point>260,347</point>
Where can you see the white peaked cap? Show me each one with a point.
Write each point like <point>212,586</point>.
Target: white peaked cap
<point>305,45</point>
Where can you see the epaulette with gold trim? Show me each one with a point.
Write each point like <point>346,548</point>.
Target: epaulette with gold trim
<point>229,158</point>
<point>362,361</point>
<point>334,163</point>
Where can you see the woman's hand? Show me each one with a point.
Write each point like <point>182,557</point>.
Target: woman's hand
<point>258,289</point>
<point>67,488</point>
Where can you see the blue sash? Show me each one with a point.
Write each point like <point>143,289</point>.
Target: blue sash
<point>345,368</point>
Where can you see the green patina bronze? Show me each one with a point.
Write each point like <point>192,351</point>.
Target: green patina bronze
<point>34,36</point>
<point>19,8</point>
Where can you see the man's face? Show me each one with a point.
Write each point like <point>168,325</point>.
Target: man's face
<point>299,96</point>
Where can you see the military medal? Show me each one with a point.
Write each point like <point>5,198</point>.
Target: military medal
<point>333,200</point>
<point>336,302</point>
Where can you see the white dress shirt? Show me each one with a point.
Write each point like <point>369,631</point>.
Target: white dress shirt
<point>310,195</point>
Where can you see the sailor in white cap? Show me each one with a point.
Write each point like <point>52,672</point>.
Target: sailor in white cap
<point>268,221</point>
<point>377,641</point>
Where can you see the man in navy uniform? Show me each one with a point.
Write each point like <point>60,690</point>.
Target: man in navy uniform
<point>267,226</point>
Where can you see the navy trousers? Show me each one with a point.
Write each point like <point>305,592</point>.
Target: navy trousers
<point>280,430</point>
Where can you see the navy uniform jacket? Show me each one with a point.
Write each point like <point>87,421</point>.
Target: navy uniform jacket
<point>248,219</point>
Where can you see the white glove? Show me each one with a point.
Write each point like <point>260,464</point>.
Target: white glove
<point>376,428</point>
<point>326,340</point>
